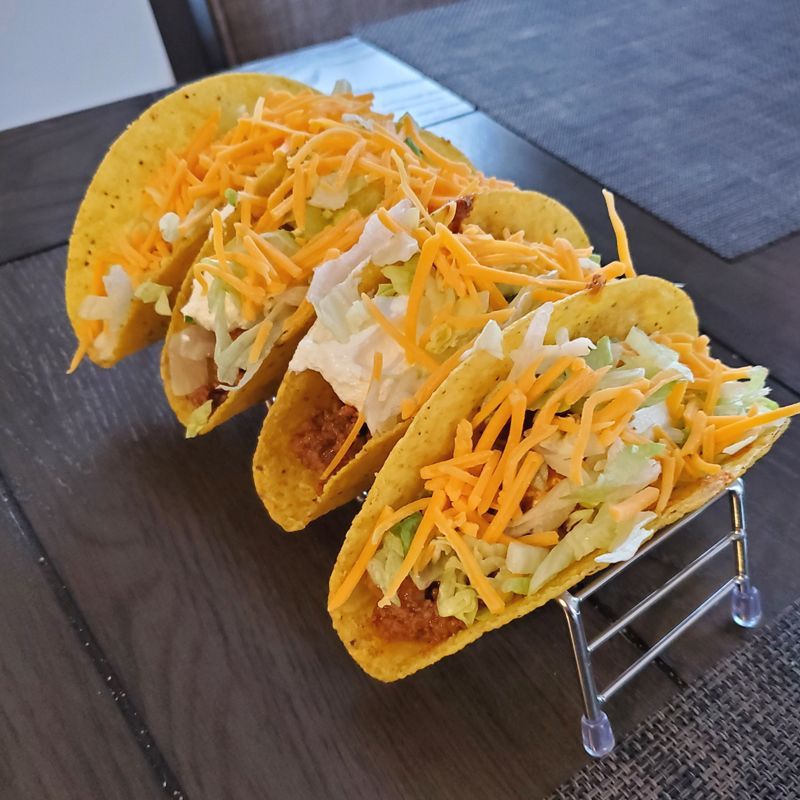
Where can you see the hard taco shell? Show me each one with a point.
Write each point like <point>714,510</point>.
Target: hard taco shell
<point>269,375</point>
<point>650,303</point>
<point>113,198</point>
<point>290,491</point>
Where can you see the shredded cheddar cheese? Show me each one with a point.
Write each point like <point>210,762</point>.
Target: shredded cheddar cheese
<point>496,474</point>
<point>306,137</point>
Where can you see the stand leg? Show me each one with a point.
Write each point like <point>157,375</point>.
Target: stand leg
<point>596,732</point>
<point>745,598</point>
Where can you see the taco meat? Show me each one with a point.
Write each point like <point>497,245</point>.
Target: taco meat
<point>319,438</point>
<point>415,619</point>
<point>208,392</point>
<point>212,390</point>
<point>463,207</point>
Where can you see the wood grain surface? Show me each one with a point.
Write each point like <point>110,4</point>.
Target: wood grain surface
<point>60,734</point>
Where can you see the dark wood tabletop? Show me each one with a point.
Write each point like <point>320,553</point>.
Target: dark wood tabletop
<point>161,635</point>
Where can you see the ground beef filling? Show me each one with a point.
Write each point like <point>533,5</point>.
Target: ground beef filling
<point>319,438</point>
<point>415,619</point>
<point>205,393</point>
<point>463,207</point>
<point>211,390</point>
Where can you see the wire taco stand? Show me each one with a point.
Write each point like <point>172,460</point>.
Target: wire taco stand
<point>596,730</point>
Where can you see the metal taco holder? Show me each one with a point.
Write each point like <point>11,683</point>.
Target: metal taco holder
<point>596,730</point>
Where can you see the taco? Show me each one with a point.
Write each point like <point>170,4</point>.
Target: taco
<point>604,420</point>
<point>242,309</point>
<point>395,315</point>
<point>148,207</point>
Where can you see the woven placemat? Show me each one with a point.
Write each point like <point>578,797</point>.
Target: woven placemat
<point>691,110</point>
<point>733,734</point>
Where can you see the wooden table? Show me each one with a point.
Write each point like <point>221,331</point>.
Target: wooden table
<point>161,635</point>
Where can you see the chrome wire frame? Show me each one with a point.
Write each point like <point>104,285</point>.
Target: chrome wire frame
<point>597,734</point>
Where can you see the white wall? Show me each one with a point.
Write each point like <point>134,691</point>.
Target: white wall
<point>58,56</point>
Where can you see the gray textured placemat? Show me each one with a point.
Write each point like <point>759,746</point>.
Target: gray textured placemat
<point>691,110</point>
<point>734,734</point>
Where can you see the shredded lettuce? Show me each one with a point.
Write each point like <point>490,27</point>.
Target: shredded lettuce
<point>736,397</point>
<point>335,310</point>
<point>413,147</point>
<point>524,558</point>
<point>490,340</point>
<point>357,119</point>
<point>455,598</point>
<point>532,342</point>
<point>557,451</point>
<point>232,196</point>
<point>522,303</point>
<point>628,539</point>
<point>631,468</point>
<point>113,308</point>
<point>548,513</point>
<point>574,348</point>
<point>647,417</point>
<point>198,419</point>
<point>406,528</point>
<point>283,240</point>
<point>399,249</point>
<point>162,305</point>
<point>651,356</point>
<point>328,195</point>
<point>152,292</point>
<point>518,584</point>
<point>619,377</point>
<point>490,557</point>
<point>375,239</point>
<point>383,566</point>
<point>220,305</point>
<point>619,540</point>
<point>444,338</point>
<point>584,538</point>
<point>659,395</point>
<point>602,355</point>
<point>236,355</point>
<point>400,277</point>
<point>734,448</point>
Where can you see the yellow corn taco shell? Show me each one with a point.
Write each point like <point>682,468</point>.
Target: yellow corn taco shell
<point>650,303</point>
<point>288,489</point>
<point>113,198</point>
<point>542,218</point>
<point>269,375</point>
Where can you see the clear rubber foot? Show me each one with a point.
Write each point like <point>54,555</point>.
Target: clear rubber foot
<point>597,735</point>
<point>746,605</point>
